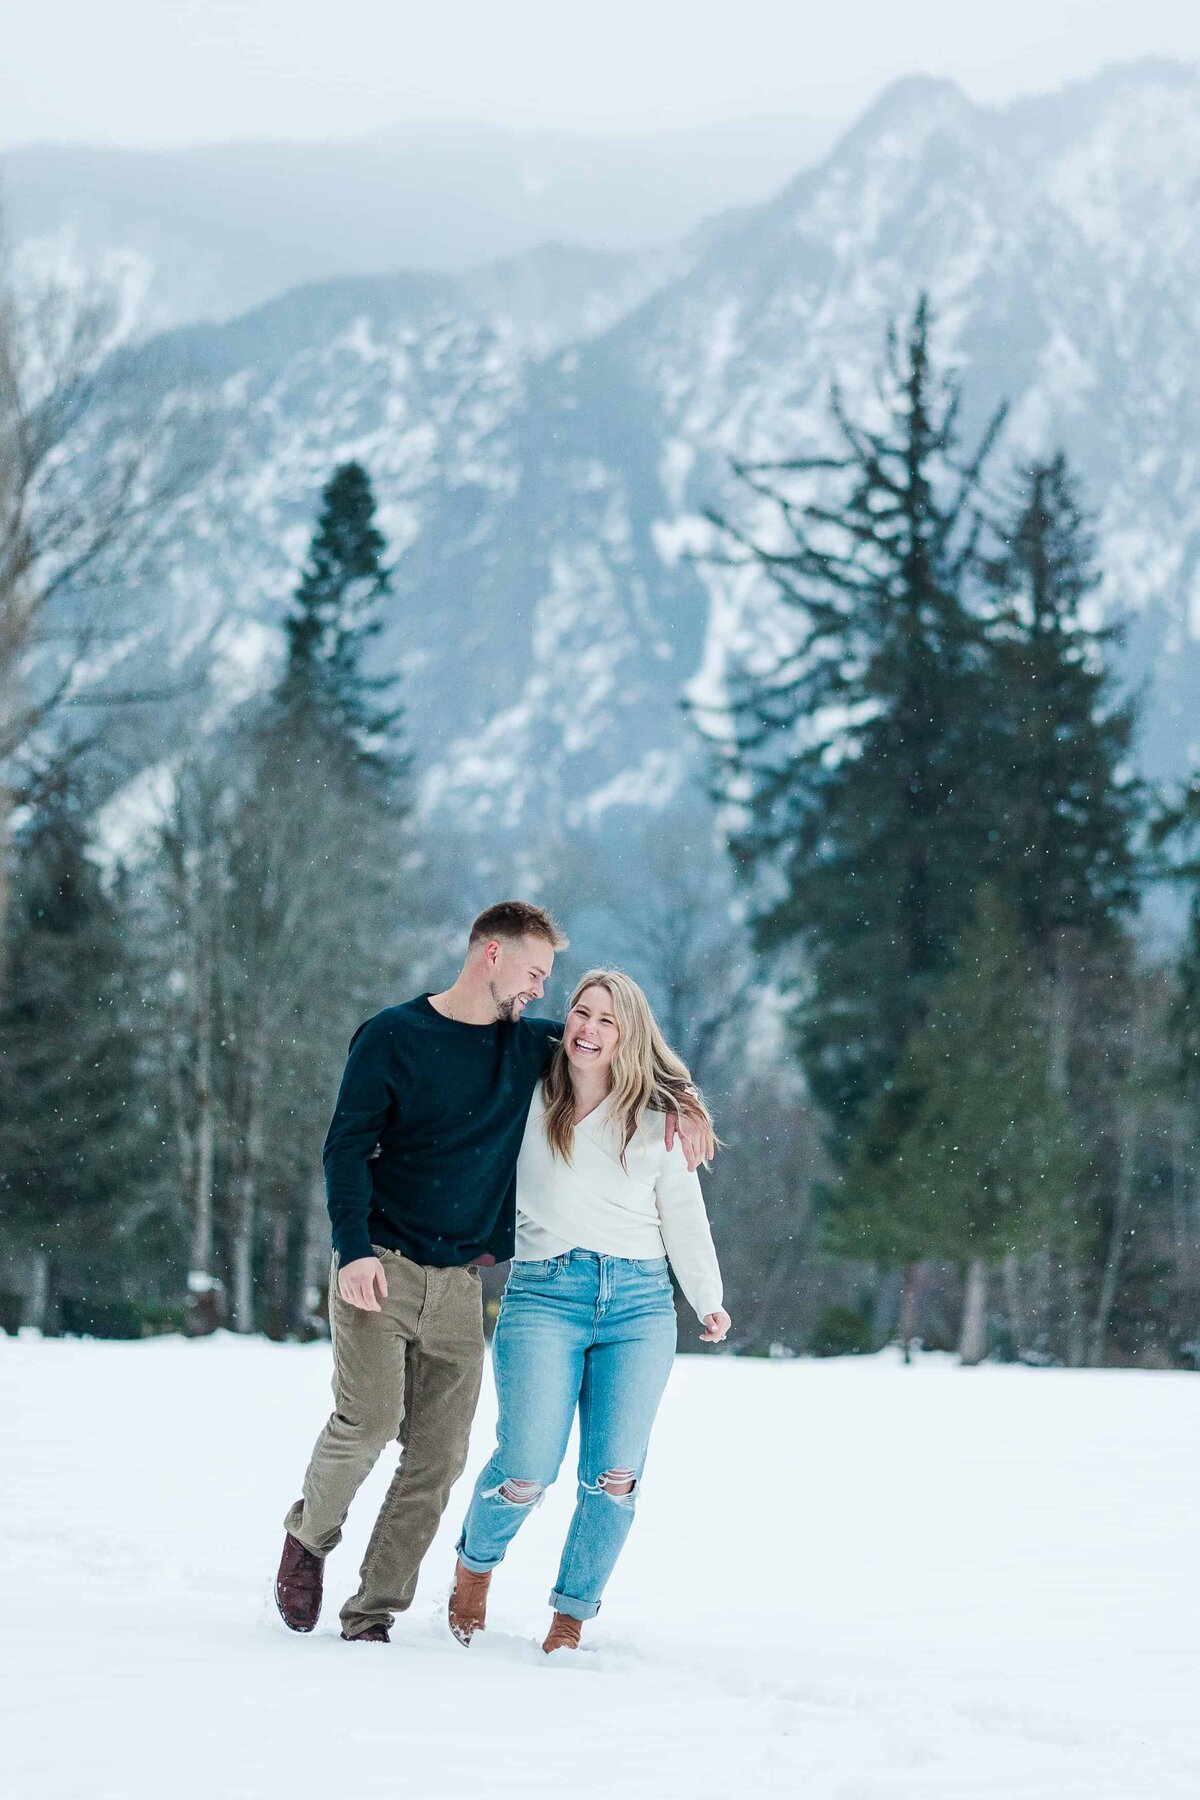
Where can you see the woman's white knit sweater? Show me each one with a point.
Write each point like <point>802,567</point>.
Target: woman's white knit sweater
<point>651,1207</point>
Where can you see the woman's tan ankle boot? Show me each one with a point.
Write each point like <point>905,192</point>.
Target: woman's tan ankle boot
<point>563,1633</point>
<point>467,1611</point>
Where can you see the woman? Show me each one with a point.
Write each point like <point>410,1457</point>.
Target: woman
<point>588,1319</point>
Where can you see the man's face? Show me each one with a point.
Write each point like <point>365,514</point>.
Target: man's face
<point>519,970</point>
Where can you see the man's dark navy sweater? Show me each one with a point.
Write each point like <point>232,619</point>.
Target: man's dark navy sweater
<point>446,1105</point>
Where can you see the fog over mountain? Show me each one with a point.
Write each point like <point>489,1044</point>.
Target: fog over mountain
<point>543,436</point>
<point>210,232</point>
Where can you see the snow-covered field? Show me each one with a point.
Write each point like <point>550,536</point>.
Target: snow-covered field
<point>846,1581</point>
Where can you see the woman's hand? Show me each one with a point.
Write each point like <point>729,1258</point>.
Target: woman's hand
<point>716,1325</point>
<point>696,1136</point>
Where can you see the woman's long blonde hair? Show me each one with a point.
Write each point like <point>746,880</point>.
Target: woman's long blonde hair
<point>645,1070</point>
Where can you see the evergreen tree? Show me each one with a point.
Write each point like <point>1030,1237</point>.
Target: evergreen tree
<point>326,692</point>
<point>320,901</point>
<point>1183,1088</point>
<point>1065,812</point>
<point>968,1153</point>
<point>1066,806</point>
<point>72,1138</point>
<point>855,754</point>
<point>1175,831</point>
<point>1184,1018</point>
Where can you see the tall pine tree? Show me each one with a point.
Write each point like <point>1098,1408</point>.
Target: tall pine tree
<point>1064,799</point>
<point>321,900</point>
<point>1065,810</point>
<point>326,694</point>
<point>854,754</point>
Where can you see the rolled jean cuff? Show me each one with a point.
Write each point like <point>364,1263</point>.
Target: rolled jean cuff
<point>574,1609</point>
<point>471,1562</point>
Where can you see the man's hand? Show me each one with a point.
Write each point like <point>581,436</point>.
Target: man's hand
<point>716,1326</point>
<point>358,1280</point>
<point>696,1136</point>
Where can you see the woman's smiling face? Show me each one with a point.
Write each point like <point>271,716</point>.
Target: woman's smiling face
<point>591,1032</point>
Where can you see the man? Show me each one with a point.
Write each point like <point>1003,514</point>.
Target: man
<point>420,1163</point>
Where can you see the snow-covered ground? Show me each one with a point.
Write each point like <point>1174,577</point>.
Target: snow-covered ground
<point>846,1581</point>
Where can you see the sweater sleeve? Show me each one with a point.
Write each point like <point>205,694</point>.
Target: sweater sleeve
<point>686,1236</point>
<point>365,1099</point>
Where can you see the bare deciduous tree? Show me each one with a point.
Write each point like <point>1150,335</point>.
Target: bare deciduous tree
<point>192,898</point>
<point>81,485</point>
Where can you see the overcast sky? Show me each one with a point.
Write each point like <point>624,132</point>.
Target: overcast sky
<point>165,72</point>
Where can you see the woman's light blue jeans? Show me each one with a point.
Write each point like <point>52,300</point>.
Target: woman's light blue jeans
<point>597,1332</point>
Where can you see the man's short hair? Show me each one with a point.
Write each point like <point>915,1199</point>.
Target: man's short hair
<point>510,919</point>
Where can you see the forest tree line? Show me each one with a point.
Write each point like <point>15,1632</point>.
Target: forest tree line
<point>974,1121</point>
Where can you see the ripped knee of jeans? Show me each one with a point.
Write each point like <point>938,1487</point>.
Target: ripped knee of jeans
<point>515,1492</point>
<point>619,1485</point>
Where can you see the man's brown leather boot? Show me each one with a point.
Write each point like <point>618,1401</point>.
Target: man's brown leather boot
<point>467,1611</point>
<point>563,1633</point>
<point>298,1585</point>
<point>374,1634</point>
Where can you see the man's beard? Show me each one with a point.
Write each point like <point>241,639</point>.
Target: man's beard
<point>506,1007</point>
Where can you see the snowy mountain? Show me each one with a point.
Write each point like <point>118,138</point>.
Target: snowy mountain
<point>210,232</point>
<point>543,435</point>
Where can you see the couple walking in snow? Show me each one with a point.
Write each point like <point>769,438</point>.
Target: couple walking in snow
<point>465,1134</point>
